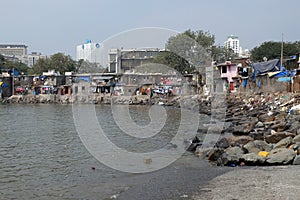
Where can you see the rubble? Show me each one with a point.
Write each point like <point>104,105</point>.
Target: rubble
<point>264,130</point>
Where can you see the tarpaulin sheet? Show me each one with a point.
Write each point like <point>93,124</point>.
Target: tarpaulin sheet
<point>284,79</point>
<point>265,67</point>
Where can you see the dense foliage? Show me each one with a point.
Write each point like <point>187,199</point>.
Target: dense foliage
<point>6,65</point>
<point>193,50</point>
<point>58,62</point>
<point>187,51</point>
<point>271,50</point>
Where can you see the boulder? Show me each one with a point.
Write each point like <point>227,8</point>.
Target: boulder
<point>276,137</point>
<point>257,135</point>
<point>279,127</point>
<point>296,139</point>
<point>232,155</point>
<point>223,143</point>
<point>214,154</point>
<point>281,156</point>
<point>257,146</point>
<point>259,124</point>
<point>241,140</point>
<point>297,160</point>
<point>252,158</point>
<point>266,118</point>
<point>295,126</point>
<point>243,129</point>
<point>284,143</point>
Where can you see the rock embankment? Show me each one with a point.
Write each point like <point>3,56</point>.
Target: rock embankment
<point>264,130</point>
<point>189,101</point>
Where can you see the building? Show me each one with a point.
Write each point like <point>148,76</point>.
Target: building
<point>13,50</point>
<point>31,59</point>
<point>18,53</point>
<point>229,75</point>
<point>233,43</point>
<point>88,52</point>
<point>121,60</point>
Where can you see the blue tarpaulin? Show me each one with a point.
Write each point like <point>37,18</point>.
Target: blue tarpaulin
<point>16,72</point>
<point>245,83</point>
<point>284,79</point>
<point>265,67</point>
<point>84,78</point>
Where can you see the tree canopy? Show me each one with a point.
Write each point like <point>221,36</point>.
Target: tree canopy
<point>58,62</point>
<point>272,50</point>
<point>175,61</point>
<point>7,64</point>
<point>187,51</point>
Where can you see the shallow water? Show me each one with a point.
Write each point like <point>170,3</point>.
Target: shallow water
<point>42,156</point>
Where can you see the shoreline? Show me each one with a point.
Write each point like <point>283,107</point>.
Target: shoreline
<point>273,182</point>
<point>262,129</point>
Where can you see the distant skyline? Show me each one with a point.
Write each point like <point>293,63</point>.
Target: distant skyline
<point>51,26</point>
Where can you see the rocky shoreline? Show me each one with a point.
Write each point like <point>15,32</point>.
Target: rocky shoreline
<point>264,128</point>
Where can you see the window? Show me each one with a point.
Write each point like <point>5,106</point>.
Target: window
<point>83,88</point>
<point>224,69</point>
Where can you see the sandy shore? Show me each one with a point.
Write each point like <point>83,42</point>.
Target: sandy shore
<point>272,183</point>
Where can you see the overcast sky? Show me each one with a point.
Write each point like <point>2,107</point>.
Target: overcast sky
<point>51,26</point>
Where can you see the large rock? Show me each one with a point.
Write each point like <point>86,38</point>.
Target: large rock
<point>257,146</point>
<point>214,154</point>
<point>296,139</point>
<point>239,140</point>
<point>243,129</point>
<point>295,126</point>
<point>253,158</point>
<point>276,137</point>
<point>257,135</point>
<point>279,127</point>
<point>232,155</point>
<point>281,156</point>
<point>259,125</point>
<point>266,118</point>
<point>284,143</point>
<point>223,143</point>
<point>297,160</point>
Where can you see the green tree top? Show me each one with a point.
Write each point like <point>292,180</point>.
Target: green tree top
<point>58,62</point>
<point>272,50</point>
<point>189,51</point>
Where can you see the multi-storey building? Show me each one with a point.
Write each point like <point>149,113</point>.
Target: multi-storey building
<point>121,60</point>
<point>31,59</point>
<point>88,52</point>
<point>13,50</point>
<point>233,43</point>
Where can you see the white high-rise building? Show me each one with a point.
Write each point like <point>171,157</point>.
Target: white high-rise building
<point>88,52</point>
<point>233,43</point>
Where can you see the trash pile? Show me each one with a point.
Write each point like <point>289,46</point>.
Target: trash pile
<point>264,130</point>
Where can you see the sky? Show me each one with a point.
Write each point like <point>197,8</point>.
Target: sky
<point>51,26</point>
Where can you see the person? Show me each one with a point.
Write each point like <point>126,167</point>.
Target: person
<point>142,91</point>
<point>151,93</point>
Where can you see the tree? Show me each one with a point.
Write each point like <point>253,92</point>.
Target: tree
<point>2,61</point>
<point>272,50</point>
<point>7,64</point>
<point>221,54</point>
<point>62,63</point>
<point>88,67</point>
<point>191,46</point>
<point>42,65</point>
<point>58,62</point>
<point>171,59</point>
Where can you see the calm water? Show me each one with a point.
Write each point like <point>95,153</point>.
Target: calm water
<point>42,157</point>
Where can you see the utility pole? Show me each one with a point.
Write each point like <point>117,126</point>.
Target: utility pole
<point>281,56</point>
<point>13,77</point>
